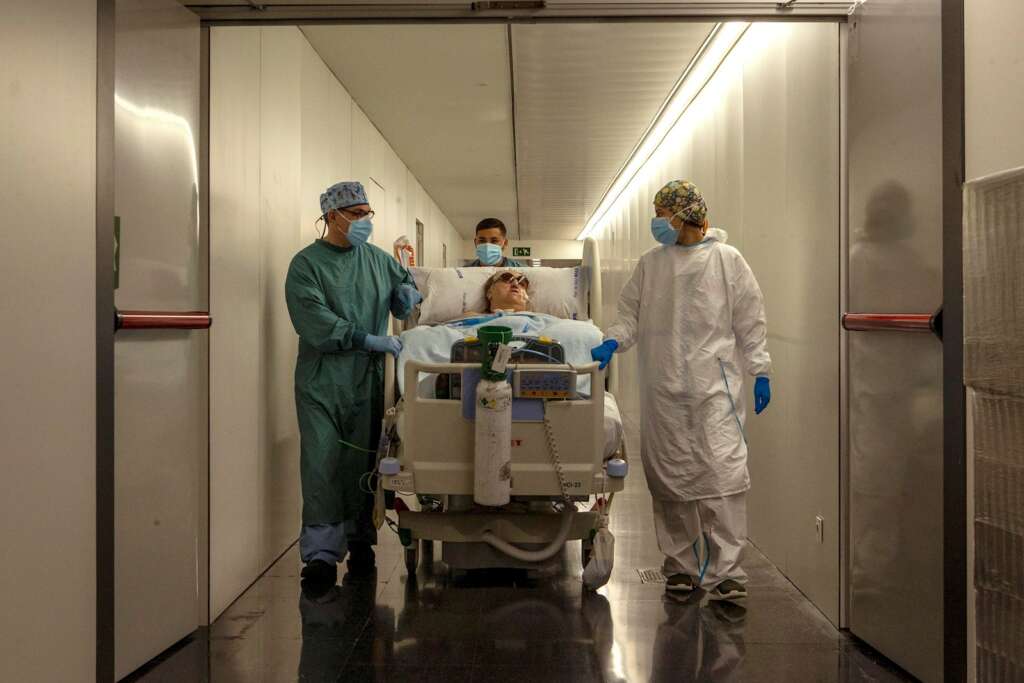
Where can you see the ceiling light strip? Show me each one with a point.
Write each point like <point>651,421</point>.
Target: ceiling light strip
<point>698,73</point>
<point>661,109</point>
<point>515,136</point>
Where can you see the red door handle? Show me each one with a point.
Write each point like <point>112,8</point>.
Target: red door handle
<point>894,322</point>
<point>162,320</point>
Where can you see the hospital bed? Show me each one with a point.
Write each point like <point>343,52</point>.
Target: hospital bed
<point>562,444</point>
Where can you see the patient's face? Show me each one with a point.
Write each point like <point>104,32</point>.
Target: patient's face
<point>509,292</point>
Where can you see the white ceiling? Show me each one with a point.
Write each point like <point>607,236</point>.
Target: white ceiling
<point>299,11</point>
<point>441,96</point>
<point>584,96</point>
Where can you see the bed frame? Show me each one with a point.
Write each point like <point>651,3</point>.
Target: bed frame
<point>436,452</point>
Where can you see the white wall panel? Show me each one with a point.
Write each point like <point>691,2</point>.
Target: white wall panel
<point>415,202</point>
<point>390,218</point>
<point>281,127</point>
<point>792,239</point>
<point>340,130</point>
<point>326,118</point>
<point>48,359</point>
<point>256,221</point>
<point>437,229</point>
<point>761,141</point>
<point>235,305</point>
<point>418,208</point>
<point>448,234</point>
<point>994,98</point>
<point>764,125</point>
<point>400,175</point>
<point>282,130</point>
<point>363,146</point>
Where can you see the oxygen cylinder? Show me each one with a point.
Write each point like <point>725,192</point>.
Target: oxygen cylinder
<point>492,464</point>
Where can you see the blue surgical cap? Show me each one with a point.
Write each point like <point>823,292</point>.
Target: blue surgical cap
<point>342,195</point>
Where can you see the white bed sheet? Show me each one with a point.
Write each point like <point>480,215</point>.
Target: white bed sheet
<point>612,426</point>
<point>434,344</point>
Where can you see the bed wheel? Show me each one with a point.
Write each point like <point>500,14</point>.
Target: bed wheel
<point>412,558</point>
<point>427,550</point>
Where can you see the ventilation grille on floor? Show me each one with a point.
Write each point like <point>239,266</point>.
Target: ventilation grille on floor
<point>651,576</point>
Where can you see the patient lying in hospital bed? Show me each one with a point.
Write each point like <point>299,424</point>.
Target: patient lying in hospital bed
<point>507,295</point>
<point>565,438</point>
<point>507,291</point>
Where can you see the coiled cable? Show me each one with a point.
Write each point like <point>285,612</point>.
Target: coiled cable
<point>568,512</point>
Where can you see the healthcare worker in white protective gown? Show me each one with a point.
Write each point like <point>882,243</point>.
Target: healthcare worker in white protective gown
<point>697,313</point>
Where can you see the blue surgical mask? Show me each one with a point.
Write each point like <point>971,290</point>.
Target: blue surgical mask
<point>359,231</point>
<point>663,231</point>
<point>489,254</point>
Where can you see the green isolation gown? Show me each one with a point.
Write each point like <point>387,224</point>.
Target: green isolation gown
<point>336,296</point>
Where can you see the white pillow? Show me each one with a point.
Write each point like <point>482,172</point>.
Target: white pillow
<point>450,293</point>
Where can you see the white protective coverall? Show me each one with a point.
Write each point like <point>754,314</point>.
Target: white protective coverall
<point>697,314</point>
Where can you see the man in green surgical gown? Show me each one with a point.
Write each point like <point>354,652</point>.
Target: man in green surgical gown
<point>340,291</point>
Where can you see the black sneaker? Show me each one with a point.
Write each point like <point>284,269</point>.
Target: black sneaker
<point>729,590</point>
<point>682,583</point>
<point>361,558</point>
<point>311,590</point>
<point>319,573</point>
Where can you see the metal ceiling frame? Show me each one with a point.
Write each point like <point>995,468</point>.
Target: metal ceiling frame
<point>504,11</point>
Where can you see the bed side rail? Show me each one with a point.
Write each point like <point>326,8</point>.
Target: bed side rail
<point>413,368</point>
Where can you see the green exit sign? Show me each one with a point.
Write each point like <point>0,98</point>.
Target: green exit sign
<point>520,251</point>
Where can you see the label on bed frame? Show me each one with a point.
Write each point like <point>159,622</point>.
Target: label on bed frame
<point>501,358</point>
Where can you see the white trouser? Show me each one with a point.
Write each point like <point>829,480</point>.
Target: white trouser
<point>680,526</point>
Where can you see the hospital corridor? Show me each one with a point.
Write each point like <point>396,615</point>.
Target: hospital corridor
<point>512,340</point>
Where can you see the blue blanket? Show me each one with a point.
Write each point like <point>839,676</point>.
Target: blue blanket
<point>434,344</point>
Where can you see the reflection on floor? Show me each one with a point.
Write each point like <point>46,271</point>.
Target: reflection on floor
<point>509,626</point>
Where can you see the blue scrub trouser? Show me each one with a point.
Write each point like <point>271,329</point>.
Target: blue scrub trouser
<point>329,542</point>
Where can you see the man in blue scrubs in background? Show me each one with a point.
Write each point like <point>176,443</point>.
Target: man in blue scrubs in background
<point>491,241</point>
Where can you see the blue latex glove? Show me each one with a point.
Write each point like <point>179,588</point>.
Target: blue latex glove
<point>603,353</point>
<point>404,300</point>
<point>762,394</point>
<point>392,345</point>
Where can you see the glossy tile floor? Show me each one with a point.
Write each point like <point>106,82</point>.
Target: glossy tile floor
<point>496,626</point>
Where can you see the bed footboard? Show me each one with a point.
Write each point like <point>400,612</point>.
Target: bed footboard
<point>436,453</point>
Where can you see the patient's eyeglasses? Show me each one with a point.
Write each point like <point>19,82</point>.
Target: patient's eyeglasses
<point>517,278</point>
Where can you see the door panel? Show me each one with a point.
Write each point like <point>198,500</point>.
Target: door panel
<point>895,398</point>
<point>160,378</point>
